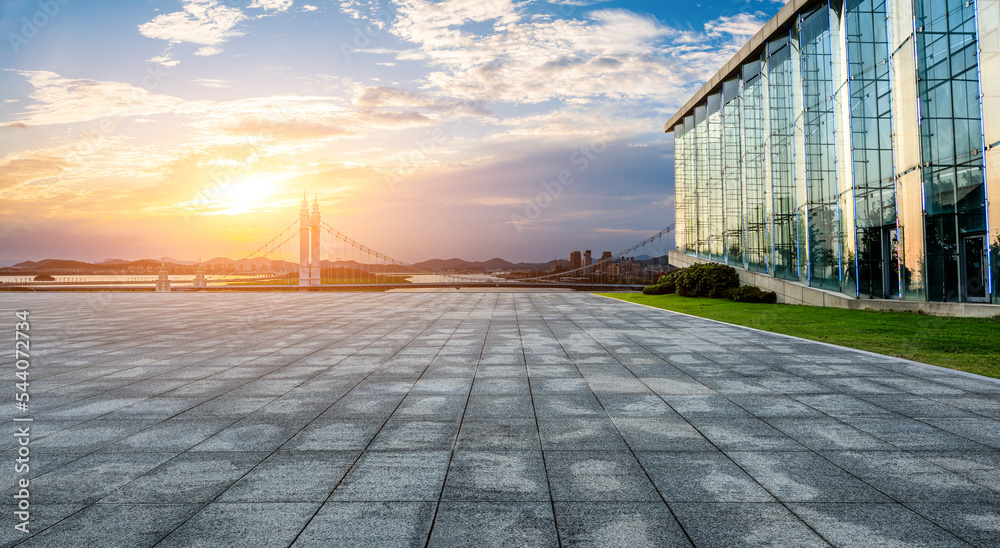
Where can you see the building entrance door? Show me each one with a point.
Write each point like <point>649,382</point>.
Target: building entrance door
<point>974,267</point>
<point>890,256</point>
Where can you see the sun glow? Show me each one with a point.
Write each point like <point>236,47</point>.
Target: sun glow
<point>244,194</point>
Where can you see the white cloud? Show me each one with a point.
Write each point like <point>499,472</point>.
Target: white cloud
<point>59,100</point>
<point>309,7</point>
<point>208,50</point>
<point>576,3</point>
<point>276,5</point>
<point>495,51</point>
<point>742,26</point>
<point>212,82</point>
<point>209,23</point>
<point>205,22</point>
<point>164,60</point>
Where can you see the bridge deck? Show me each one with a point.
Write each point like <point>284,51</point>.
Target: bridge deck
<point>457,419</point>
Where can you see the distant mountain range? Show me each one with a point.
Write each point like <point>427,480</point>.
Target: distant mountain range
<point>437,265</point>
<point>492,264</point>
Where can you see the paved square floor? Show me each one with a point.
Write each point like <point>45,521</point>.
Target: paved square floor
<point>480,419</point>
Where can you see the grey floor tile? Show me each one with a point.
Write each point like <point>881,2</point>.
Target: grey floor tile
<point>828,434</point>
<point>89,478</point>
<point>189,478</point>
<point>416,435</point>
<point>597,476</point>
<point>40,518</point>
<point>804,477</point>
<point>749,525</point>
<point>334,435</point>
<point>580,434</point>
<point>496,476</point>
<point>365,524</point>
<point>623,524</point>
<point>292,476</point>
<point>494,524</point>
<point>500,434</point>
<point>115,525</point>
<point>395,476</point>
<point>700,477</point>
<point>976,523</point>
<point>661,434</point>
<point>873,525</point>
<point>910,479</point>
<point>744,434</point>
<point>252,524</point>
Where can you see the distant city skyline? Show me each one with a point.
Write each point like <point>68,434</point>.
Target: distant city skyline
<point>472,129</point>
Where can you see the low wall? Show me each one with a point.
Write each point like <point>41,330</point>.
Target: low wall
<point>796,293</point>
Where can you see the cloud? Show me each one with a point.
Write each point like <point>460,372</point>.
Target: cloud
<point>205,22</point>
<point>309,7</point>
<point>212,82</point>
<point>499,51</point>
<point>23,169</point>
<point>741,26</point>
<point>208,50</point>
<point>576,3</point>
<point>208,23</point>
<point>164,60</point>
<point>275,5</point>
<point>59,100</point>
<point>290,130</point>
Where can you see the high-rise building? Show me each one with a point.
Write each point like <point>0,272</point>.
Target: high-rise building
<point>853,146</point>
<point>587,258</point>
<point>574,260</point>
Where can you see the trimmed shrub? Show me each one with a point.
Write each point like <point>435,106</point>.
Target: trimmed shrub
<point>667,283</point>
<point>707,280</point>
<point>753,294</point>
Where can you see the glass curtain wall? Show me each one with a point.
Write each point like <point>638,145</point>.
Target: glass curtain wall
<point>782,131</point>
<point>701,177</point>
<point>951,144</point>
<point>877,259</point>
<point>691,196</point>
<point>680,207</point>
<point>859,152</point>
<point>816,62</point>
<point>906,151</point>
<point>732,168</point>
<point>754,176</point>
<point>716,210</point>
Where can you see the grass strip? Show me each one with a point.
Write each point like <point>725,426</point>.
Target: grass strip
<point>966,344</point>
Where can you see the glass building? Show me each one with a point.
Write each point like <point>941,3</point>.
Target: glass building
<point>852,146</point>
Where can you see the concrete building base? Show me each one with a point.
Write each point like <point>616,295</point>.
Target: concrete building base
<point>796,293</point>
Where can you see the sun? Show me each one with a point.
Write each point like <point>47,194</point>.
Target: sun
<point>245,194</point>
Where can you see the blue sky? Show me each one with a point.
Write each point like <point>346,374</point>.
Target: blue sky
<point>427,129</point>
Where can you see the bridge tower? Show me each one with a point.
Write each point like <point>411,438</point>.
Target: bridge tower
<point>315,277</point>
<point>304,277</point>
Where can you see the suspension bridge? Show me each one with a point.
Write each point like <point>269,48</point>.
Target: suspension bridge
<point>311,255</point>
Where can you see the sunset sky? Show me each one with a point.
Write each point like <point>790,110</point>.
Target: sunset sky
<point>426,129</point>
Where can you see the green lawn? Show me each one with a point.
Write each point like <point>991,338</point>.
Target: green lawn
<point>966,344</point>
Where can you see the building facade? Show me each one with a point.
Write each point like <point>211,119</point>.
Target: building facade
<point>854,146</point>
